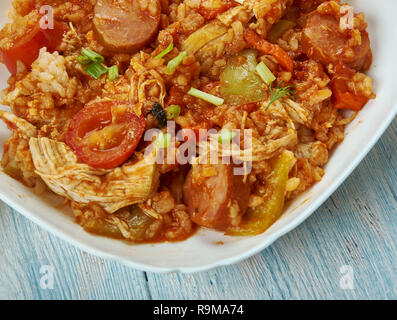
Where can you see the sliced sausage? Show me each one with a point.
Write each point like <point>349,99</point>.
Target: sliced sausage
<point>126,25</point>
<point>323,41</point>
<point>217,201</point>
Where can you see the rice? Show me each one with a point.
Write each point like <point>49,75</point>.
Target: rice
<point>49,70</point>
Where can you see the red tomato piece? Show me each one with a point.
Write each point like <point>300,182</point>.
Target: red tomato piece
<point>27,47</point>
<point>105,134</point>
<point>342,97</point>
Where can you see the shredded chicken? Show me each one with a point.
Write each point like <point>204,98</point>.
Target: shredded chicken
<point>58,166</point>
<point>20,125</point>
<point>146,85</point>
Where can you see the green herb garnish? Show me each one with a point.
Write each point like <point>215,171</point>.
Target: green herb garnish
<point>92,55</point>
<point>165,51</point>
<point>113,73</point>
<point>96,70</point>
<point>280,92</point>
<point>206,96</point>
<point>173,112</point>
<point>83,60</point>
<point>94,63</point>
<point>159,113</point>
<point>174,63</point>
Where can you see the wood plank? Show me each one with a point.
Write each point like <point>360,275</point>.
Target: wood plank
<point>355,227</point>
<point>26,248</point>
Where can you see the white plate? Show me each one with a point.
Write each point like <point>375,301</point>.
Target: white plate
<point>201,252</point>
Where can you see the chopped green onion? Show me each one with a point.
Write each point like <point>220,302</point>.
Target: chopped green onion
<point>96,70</point>
<point>173,112</point>
<point>83,60</point>
<point>264,72</point>
<point>165,51</point>
<point>206,96</point>
<point>113,73</point>
<point>174,63</point>
<point>226,136</point>
<point>163,140</point>
<point>92,55</point>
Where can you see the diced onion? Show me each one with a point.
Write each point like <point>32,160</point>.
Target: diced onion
<point>206,97</point>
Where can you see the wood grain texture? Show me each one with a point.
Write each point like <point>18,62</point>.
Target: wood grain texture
<point>357,227</point>
<point>25,248</point>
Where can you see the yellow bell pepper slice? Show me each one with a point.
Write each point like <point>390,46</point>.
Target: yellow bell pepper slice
<point>259,219</point>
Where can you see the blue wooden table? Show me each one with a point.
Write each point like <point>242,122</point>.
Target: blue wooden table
<point>346,250</point>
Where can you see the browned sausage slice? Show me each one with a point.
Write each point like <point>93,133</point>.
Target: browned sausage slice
<point>126,25</point>
<point>323,41</point>
<point>217,201</point>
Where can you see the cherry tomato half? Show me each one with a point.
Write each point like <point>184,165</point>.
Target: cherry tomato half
<point>105,134</point>
<point>27,47</point>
